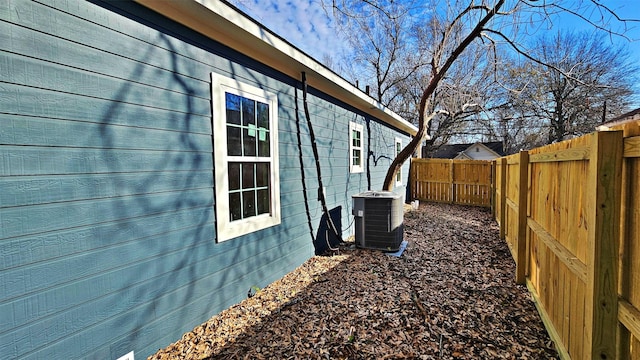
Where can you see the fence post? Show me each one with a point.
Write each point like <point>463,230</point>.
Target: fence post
<point>521,237</point>
<point>603,206</point>
<point>493,188</point>
<point>503,197</point>
<point>412,180</point>
<point>453,186</point>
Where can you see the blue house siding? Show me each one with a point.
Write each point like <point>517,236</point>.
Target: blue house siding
<point>107,222</point>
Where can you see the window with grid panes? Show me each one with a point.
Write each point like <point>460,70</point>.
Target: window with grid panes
<point>356,156</point>
<point>247,182</point>
<point>398,149</point>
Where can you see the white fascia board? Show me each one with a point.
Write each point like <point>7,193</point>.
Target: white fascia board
<point>223,23</point>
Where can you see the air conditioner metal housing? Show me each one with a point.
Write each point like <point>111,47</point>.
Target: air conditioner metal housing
<point>379,220</point>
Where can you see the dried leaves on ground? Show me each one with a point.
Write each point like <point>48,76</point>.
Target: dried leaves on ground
<point>451,295</point>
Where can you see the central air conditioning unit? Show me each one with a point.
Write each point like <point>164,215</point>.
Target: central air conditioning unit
<point>379,219</point>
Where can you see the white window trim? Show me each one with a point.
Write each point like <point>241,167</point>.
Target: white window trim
<point>395,154</point>
<point>227,229</point>
<point>355,168</point>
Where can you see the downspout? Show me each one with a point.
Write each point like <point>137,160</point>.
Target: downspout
<point>316,157</point>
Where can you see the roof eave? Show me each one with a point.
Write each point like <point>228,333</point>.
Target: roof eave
<point>221,22</point>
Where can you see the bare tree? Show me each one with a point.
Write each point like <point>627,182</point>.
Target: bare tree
<point>578,80</point>
<point>383,53</point>
<point>391,49</point>
<point>488,23</point>
<point>452,42</point>
<point>465,94</point>
<point>587,81</point>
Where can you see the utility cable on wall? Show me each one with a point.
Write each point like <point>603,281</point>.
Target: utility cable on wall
<point>301,160</point>
<point>369,153</point>
<point>316,157</point>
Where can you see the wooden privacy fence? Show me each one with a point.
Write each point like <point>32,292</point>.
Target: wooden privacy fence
<point>466,182</point>
<point>570,214</point>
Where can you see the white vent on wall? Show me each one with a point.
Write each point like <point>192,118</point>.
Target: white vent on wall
<point>379,219</point>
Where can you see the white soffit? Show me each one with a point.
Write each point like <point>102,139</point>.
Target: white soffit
<point>223,23</point>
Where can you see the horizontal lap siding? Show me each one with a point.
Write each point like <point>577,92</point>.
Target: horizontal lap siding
<point>106,193</point>
<point>107,227</point>
<point>330,125</point>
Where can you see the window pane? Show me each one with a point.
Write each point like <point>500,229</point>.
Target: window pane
<point>263,115</point>
<point>262,174</point>
<point>248,176</point>
<point>235,207</point>
<point>248,203</point>
<point>264,148</point>
<point>233,108</point>
<point>234,176</point>
<point>249,142</point>
<point>355,138</point>
<point>356,157</point>
<point>234,144</point>
<point>398,150</point>
<point>264,203</point>
<point>248,112</point>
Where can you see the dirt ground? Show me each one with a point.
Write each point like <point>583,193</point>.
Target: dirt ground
<point>451,295</point>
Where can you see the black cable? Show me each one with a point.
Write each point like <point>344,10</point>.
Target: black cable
<point>300,159</point>
<point>314,147</point>
<point>369,153</point>
<point>376,159</point>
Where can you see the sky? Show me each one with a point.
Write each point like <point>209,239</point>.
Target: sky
<point>626,9</point>
<point>306,25</point>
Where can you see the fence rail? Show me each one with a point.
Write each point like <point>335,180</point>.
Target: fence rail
<point>466,182</point>
<point>570,215</point>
